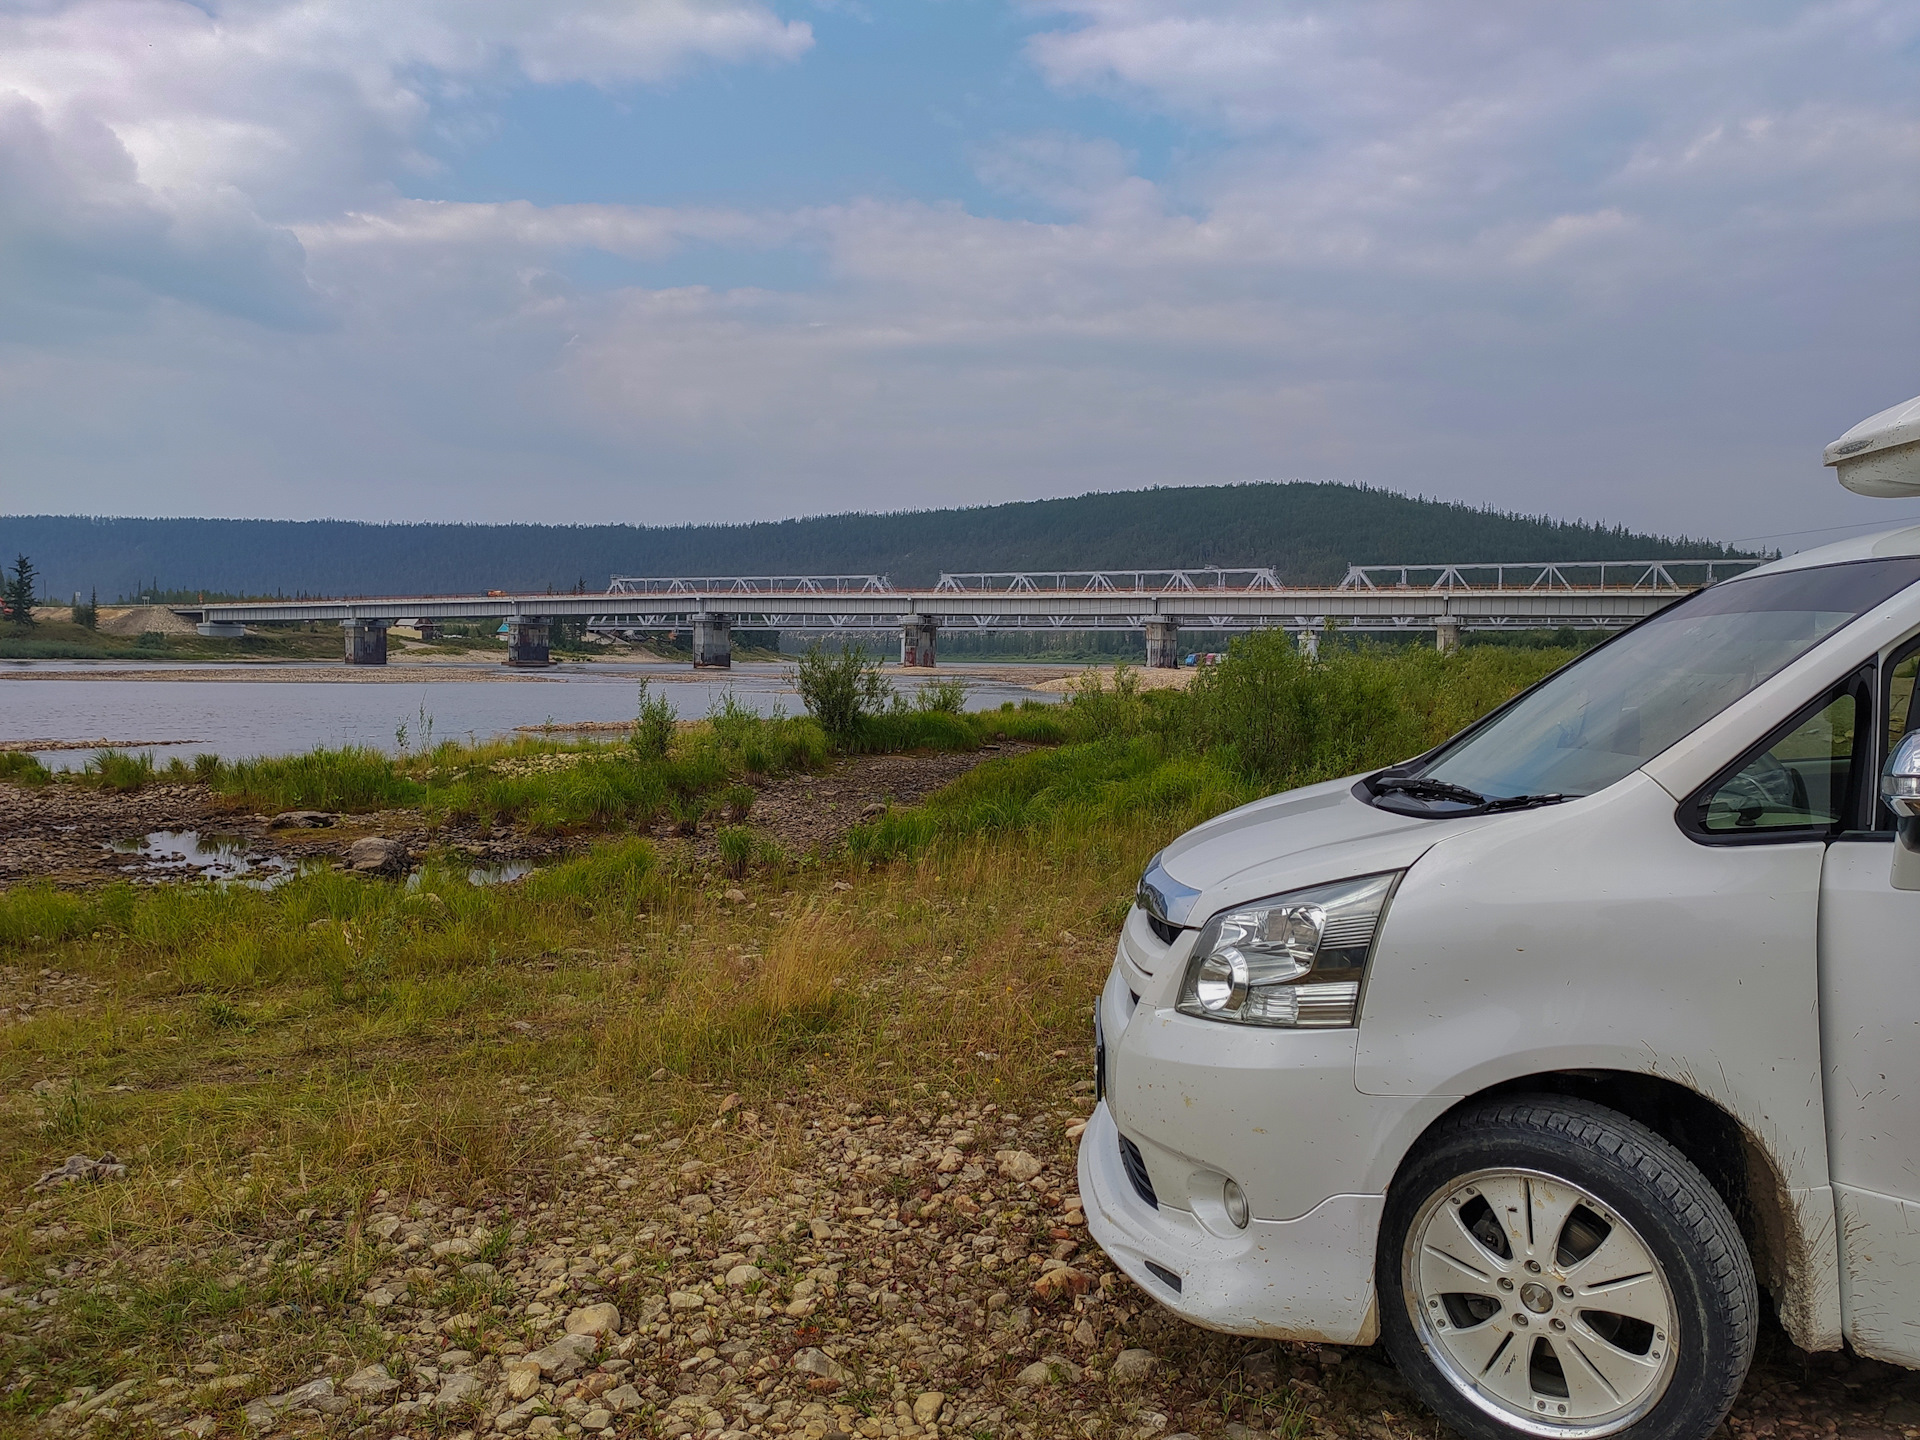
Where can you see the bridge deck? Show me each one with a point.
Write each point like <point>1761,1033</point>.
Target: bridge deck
<point>1212,608</point>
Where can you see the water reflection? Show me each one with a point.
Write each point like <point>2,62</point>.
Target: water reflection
<point>189,854</point>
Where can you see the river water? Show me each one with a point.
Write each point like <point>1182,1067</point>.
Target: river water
<point>185,711</point>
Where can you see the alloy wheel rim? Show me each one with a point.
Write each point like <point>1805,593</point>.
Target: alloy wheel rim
<point>1540,1303</point>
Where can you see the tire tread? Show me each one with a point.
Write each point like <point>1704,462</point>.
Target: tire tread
<point>1687,1197</point>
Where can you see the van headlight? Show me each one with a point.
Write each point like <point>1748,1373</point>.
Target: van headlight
<point>1294,960</point>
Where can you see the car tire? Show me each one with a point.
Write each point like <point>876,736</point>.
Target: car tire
<point>1549,1267</point>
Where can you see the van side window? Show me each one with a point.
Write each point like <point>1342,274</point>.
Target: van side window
<point>1802,782</point>
<point>1901,715</point>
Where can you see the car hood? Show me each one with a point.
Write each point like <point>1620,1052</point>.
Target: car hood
<point>1303,837</point>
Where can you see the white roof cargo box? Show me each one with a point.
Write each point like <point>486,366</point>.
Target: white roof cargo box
<point>1881,455</point>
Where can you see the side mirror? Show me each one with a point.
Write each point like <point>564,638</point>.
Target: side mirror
<point>1900,788</point>
<point>1900,781</point>
<point>1880,455</point>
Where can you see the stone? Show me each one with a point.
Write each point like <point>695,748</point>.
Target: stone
<point>623,1399</point>
<point>541,1426</point>
<point>455,1391</point>
<point>735,895</point>
<point>82,1170</point>
<point>378,1299</point>
<point>1260,1369</point>
<point>259,1415</point>
<point>565,1357</point>
<point>814,1361</point>
<point>1017,1165</point>
<point>742,1275</point>
<point>1234,1431</point>
<point>595,1320</point>
<point>369,1383</point>
<point>927,1408</point>
<point>105,1398</point>
<point>201,1426</point>
<point>685,1300</point>
<point>377,855</point>
<point>1061,1283</point>
<point>480,1272</point>
<point>596,1420</point>
<point>1133,1366</point>
<point>696,1205</point>
<point>523,1380</point>
<point>1049,1370</point>
<point>302,820</point>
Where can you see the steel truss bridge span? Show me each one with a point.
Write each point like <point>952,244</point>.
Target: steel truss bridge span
<point>1057,609</point>
<point>1442,599</point>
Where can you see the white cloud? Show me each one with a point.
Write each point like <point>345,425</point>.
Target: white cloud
<point>1610,259</point>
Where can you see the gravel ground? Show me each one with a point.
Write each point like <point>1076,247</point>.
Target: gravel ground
<point>804,1269</point>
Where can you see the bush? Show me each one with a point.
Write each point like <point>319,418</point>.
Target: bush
<point>841,690</point>
<point>1280,719</point>
<point>653,726</point>
<point>946,697</point>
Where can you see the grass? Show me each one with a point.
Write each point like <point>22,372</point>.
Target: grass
<point>556,786</point>
<point>265,1061</point>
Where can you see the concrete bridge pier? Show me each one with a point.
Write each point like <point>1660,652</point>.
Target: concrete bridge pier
<point>712,641</point>
<point>366,641</point>
<point>1163,645</point>
<point>1446,634</point>
<point>429,629</point>
<point>919,640</point>
<point>527,642</point>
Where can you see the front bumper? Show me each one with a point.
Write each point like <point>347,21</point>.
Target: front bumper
<point>1309,1278</point>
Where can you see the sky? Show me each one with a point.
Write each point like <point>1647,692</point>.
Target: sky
<point>669,261</point>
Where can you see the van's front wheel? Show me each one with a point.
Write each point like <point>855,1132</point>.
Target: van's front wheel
<point>1549,1267</point>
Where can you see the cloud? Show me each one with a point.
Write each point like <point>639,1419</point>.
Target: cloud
<point>154,149</point>
<point>1627,260</point>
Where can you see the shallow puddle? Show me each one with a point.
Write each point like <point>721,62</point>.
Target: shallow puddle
<point>189,854</point>
<point>501,874</point>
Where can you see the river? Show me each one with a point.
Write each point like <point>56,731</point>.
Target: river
<point>188,710</point>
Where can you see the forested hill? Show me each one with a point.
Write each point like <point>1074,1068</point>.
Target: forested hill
<point>1308,532</point>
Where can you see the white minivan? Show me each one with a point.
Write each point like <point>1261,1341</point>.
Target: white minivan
<point>1545,1055</point>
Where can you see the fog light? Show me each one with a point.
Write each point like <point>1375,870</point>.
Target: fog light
<point>1235,1199</point>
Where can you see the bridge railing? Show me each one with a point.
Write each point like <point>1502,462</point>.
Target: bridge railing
<point>1548,575</point>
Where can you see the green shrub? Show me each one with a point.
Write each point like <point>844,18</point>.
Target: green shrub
<point>653,725</point>
<point>841,690</point>
<point>948,696</point>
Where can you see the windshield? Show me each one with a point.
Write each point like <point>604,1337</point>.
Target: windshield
<point>1614,709</point>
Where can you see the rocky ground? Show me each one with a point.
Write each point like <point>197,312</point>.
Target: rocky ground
<point>799,1271</point>
<point>87,835</point>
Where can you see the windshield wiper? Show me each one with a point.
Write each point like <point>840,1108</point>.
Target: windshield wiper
<point>1526,802</point>
<point>1420,788</point>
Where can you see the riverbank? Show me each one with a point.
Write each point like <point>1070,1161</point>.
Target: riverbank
<point>792,1147</point>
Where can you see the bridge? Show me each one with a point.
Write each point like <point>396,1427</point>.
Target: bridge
<point>1444,599</point>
